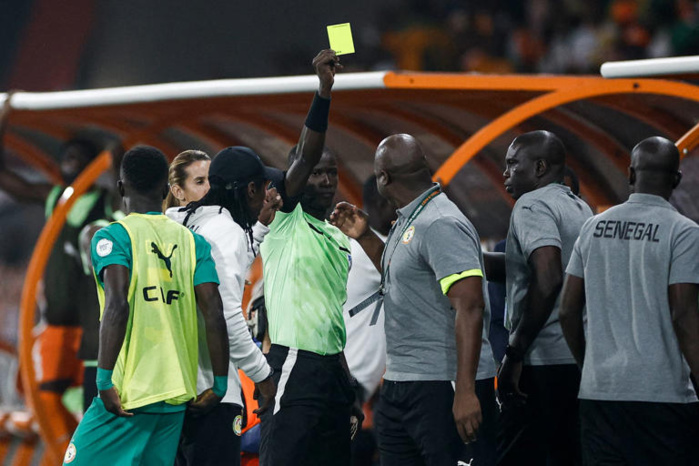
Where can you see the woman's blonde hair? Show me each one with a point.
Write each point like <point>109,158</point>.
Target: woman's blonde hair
<point>177,174</point>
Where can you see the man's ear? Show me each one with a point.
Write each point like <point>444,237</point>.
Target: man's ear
<point>120,187</point>
<point>541,168</point>
<point>252,190</point>
<point>384,179</point>
<point>632,176</point>
<point>678,179</point>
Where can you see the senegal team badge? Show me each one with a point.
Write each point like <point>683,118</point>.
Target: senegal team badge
<point>71,452</point>
<point>408,235</point>
<point>238,425</point>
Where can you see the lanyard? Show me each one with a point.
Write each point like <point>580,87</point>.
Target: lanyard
<point>434,192</point>
<point>378,296</point>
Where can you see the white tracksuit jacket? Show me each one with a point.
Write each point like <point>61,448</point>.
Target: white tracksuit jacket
<point>230,248</point>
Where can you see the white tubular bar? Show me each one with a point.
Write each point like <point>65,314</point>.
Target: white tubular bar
<point>188,90</point>
<point>652,67</point>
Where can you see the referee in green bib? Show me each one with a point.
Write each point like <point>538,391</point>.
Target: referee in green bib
<point>306,262</point>
<point>151,274</point>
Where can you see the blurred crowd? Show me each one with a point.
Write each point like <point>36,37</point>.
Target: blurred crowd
<point>530,36</point>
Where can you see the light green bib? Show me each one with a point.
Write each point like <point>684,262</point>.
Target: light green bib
<point>158,361</point>
<point>306,262</point>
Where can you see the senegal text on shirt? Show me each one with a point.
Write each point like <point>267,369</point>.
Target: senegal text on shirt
<point>627,230</point>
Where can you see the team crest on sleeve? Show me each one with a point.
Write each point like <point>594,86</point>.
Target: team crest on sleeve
<point>238,425</point>
<point>408,235</point>
<point>104,247</point>
<point>71,453</point>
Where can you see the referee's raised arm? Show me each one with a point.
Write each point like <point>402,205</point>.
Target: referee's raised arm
<point>312,139</point>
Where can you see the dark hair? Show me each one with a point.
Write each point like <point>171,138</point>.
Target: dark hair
<point>177,174</point>
<point>145,169</point>
<point>89,148</point>
<point>232,196</point>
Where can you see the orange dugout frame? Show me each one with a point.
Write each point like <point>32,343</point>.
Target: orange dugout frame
<point>465,123</point>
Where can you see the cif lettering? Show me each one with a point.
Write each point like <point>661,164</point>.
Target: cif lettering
<point>150,293</point>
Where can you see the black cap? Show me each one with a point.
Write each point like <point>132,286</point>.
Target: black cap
<point>241,164</point>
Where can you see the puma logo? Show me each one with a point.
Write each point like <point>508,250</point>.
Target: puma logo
<point>167,260</point>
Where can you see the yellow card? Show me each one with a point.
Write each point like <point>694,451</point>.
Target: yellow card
<point>340,36</point>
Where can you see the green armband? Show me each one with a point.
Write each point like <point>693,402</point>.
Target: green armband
<point>220,385</point>
<point>447,282</point>
<point>104,379</point>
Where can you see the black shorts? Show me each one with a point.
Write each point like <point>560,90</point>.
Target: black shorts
<point>415,425</point>
<point>212,439</point>
<point>545,430</point>
<point>309,423</point>
<point>639,433</point>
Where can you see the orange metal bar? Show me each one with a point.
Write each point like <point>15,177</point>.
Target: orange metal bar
<point>35,272</point>
<point>24,454</point>
<point>32,155</point>
<point>689,141</point>
<point>540,104</point>
<point>397,80</point>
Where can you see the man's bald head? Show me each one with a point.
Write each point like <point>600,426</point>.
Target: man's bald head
<point>400,165</point>
<point>655,154</point>
<point>401,154</point>
<point>534,160</point>
<point>542,145</point>
<point>655,164</point>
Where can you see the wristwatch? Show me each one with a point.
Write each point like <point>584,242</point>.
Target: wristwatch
<point>514,354</point>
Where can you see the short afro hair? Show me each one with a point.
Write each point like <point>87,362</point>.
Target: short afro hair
<point>86,146</point>
<point>145,169</point>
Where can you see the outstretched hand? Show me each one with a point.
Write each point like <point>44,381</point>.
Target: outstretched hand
<point>326,64</point>
<point>351,220</point>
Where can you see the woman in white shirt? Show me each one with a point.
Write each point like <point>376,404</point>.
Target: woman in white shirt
<point>188,178</point>
<point>226,216</point>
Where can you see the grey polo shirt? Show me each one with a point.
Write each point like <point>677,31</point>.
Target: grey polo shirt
<point>548,216</point>
<point>628,256</point>
<point>419,320</point>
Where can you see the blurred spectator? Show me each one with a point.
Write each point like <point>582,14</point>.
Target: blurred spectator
<point>534,36</point>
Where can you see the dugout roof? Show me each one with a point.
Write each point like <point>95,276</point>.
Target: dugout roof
<point>464,121</point>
